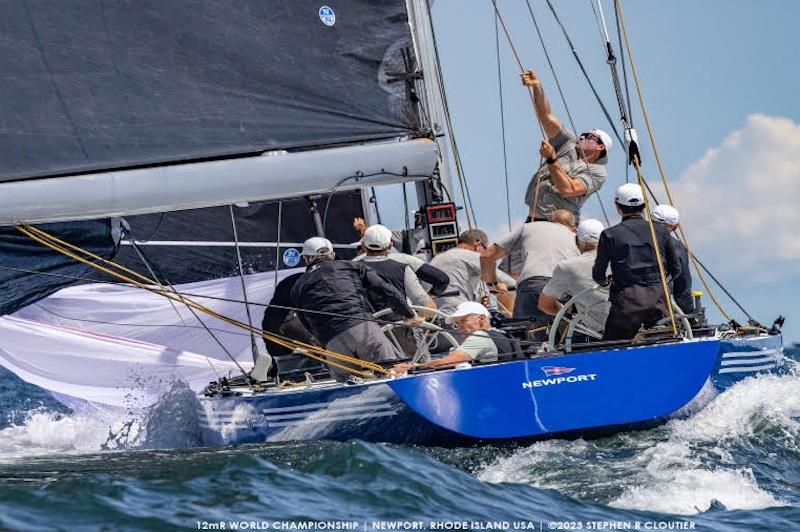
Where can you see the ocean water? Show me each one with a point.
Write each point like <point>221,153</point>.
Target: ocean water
<point>735,465</point>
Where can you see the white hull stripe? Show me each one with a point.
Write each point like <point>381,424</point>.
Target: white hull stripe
<point>745,361</point>
<point>335,418</point>
<point>305,421</point>
<point>298,415</point>
<point>740,354</point>
<point>352,410</point>
<point>376,402</point>
<point>747,369</point>
<point>312,406</point>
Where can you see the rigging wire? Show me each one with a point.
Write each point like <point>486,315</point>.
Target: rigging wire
<point>654,241</point>
<point>278,241</point>
<point>107,266</point>
<point>244,287</point>
<point>472,220</point>
<point>624,66</point>
<point>563,98</point>
<point>146,263</point>
<point>502,117</point>
<point>640,94</point>
<point>585,73</point>
<point>184,325</point>
<point>522,70</point>
<point>186,295</point>
<point>150,269</point>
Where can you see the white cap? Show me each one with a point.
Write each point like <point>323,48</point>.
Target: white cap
<point>666,214</point>
<point>605,137</point>
<point>317,246</point>
<point>589,230</point>
<point>629,195</point>
<point>466,308</point>
<point>377,238</point>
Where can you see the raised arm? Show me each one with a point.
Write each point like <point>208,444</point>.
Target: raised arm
<point>550,123</point>
<point>489,258</point>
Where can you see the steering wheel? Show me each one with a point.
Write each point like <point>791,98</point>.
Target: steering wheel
<point>576,322</point>
<point>429,332</point>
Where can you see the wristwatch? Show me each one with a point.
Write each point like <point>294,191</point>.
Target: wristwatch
<point>550,160</point>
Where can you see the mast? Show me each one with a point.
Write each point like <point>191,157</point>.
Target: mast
<point>433,100</point>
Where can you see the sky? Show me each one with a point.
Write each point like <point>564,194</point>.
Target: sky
<point>720,85</point>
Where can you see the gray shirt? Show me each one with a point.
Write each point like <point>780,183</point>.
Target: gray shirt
<point>544,244</point>
<point>572,277</point>
<point>463,266</point>
<point>593,175</point>
<point>413,289</point>
<point>479,345</point>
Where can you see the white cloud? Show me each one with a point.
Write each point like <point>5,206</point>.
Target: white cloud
<point>740,202</point>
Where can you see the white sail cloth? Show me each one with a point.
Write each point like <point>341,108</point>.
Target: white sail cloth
<point>123,346</point>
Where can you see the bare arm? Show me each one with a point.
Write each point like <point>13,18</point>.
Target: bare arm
<point>451,359</point>
<point>549,305</point>
<point>489,259</point>
<point>567,186</point>
<point>505,299</point>
<point>550,123</point>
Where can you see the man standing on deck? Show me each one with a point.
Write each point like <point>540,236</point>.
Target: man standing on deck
<point>573,168</point>
<point>544,245</point>
<point>682,284</point>
<point>337,292</point>
<point>637,294</point>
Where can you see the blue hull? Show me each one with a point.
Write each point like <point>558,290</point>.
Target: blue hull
<point>551,396</point>
<point>747,356</point>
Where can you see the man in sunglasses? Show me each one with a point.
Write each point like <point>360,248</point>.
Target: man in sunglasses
<point>573,167</point>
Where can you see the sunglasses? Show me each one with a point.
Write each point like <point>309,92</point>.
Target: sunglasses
<point>591,136</point>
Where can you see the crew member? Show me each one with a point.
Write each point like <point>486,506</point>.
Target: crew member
<point>573,168</point>
<point>377,241</point>
<point>637,295</point>
<point>482,343</point>
<point>337,293</point>
<point>462,264</point>
<point>544,244</point>
<point>429,275</point>
<point>281,319</point>
<point>682,284</point>
<point>574,276</point>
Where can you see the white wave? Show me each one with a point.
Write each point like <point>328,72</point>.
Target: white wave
<point>682,468</point>
<point>738,411</point>
<point>672,479</point>
<point>44,433</point>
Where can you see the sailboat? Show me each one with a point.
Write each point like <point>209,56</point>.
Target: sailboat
<point>129,127</point>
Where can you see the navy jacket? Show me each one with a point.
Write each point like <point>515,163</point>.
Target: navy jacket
<point>682,284</point>
<point>628,248</point>
<point>341,288</point>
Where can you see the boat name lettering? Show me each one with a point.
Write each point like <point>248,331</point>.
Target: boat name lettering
<point>559,380</point>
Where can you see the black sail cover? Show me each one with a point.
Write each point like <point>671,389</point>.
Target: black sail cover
<point>91,85</point>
